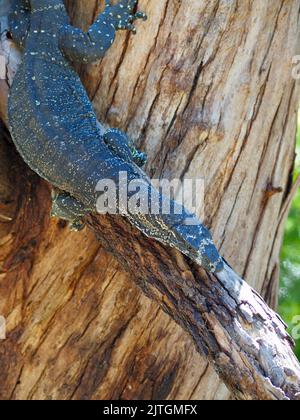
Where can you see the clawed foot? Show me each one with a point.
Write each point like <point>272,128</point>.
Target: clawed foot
<point>139,158</point>
<point>66,207</point>
<point>121,145</point>
<point>123,14</point>
<point>77,225</point>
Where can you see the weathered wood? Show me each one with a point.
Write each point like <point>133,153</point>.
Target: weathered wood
<point>214,99</point>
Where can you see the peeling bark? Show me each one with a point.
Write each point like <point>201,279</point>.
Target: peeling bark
<point>214,100</point>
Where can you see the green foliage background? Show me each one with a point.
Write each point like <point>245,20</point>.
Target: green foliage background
<point>289,306</point>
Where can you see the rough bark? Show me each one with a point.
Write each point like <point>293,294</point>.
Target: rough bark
<point>206,89</point>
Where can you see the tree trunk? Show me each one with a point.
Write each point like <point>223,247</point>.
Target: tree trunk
<point>205,88</point>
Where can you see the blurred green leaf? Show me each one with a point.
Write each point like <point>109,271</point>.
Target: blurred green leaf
<point>289,302</point>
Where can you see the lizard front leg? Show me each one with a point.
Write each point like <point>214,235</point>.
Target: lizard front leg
<point>19,21</point>
<point>122,146</point>
<point>88,47</point>
<point>68,208</point>
<point>123,15</point>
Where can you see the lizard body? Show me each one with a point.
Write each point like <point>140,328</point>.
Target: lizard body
<point>54,126</point>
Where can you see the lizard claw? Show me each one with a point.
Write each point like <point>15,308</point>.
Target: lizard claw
<point>131,28</point>
<point>141,15</point>
<point>123,15</point>
<point>77,225</point>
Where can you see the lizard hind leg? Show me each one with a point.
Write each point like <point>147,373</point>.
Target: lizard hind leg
<point>68,208</point>
<point>122,146</point>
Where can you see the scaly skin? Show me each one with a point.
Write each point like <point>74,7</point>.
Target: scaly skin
<point>55,129</point>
